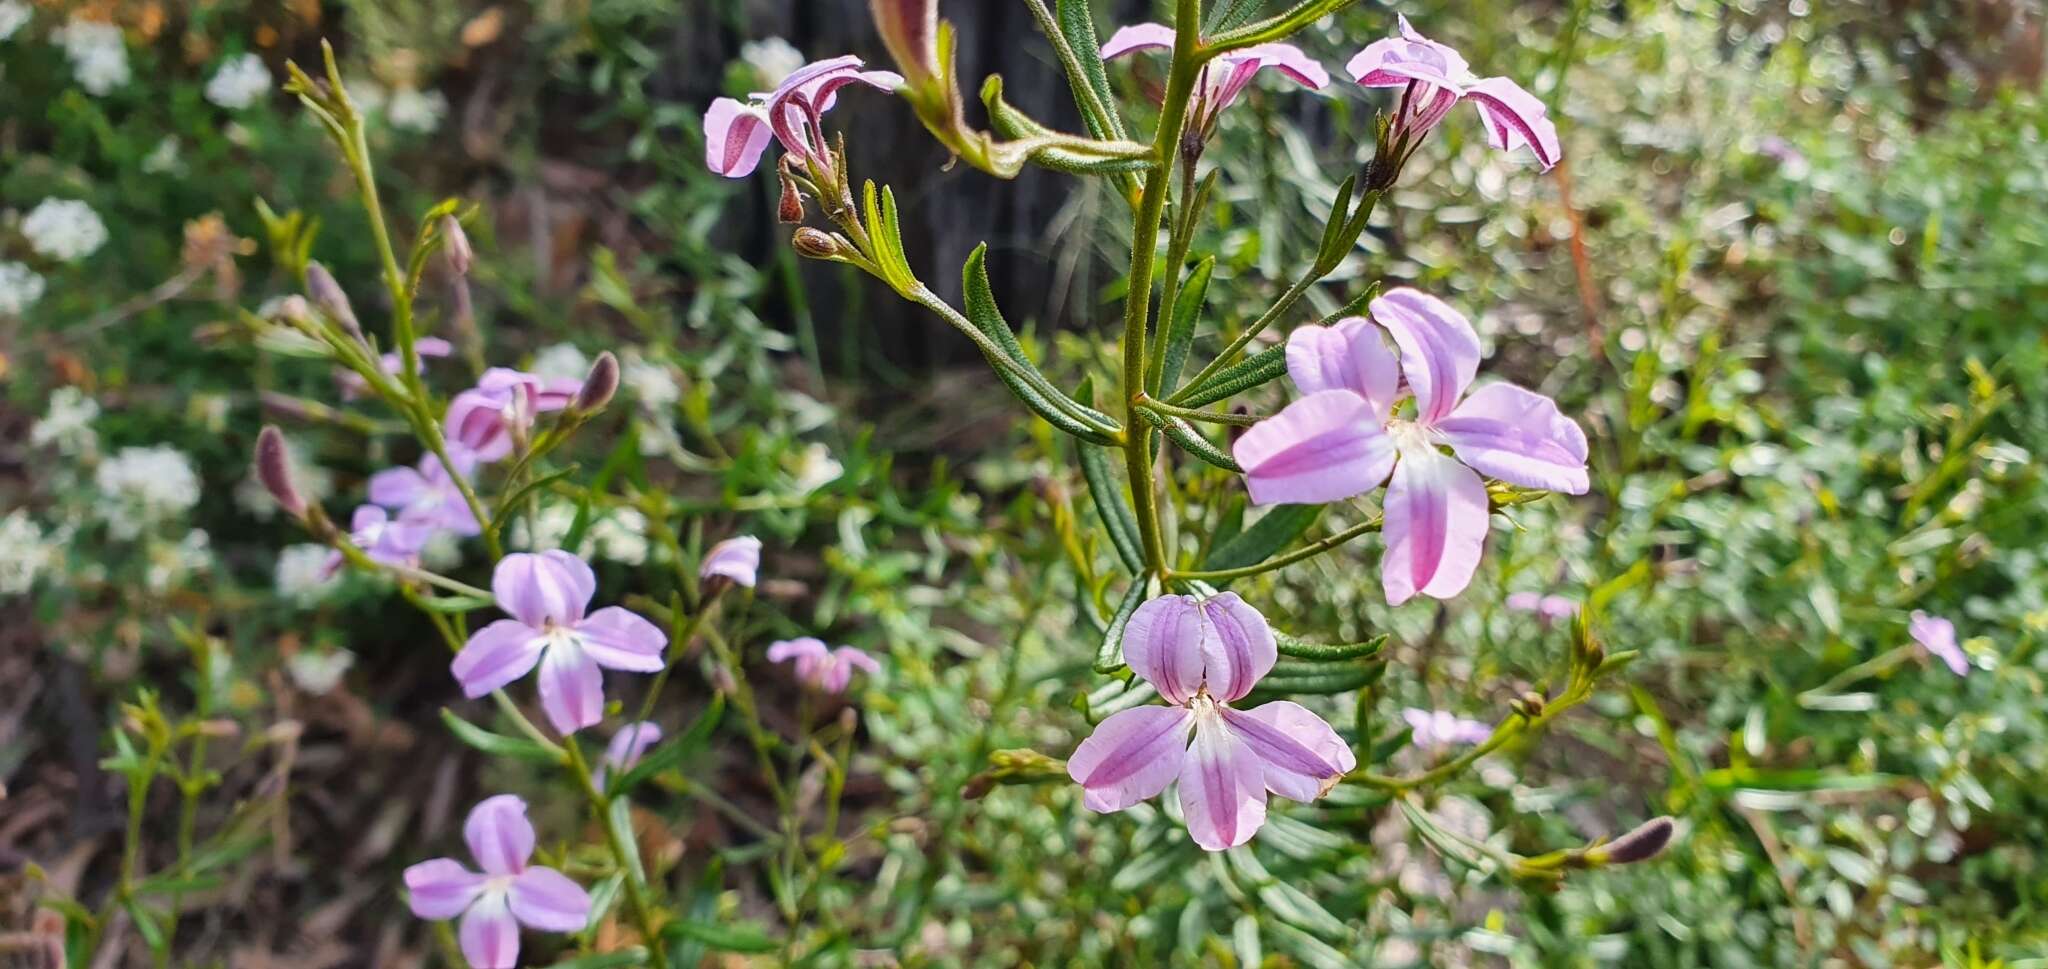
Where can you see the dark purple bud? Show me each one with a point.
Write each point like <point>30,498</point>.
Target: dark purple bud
<point>1642,844</point>
<point>598,386</point>
<point>274,469</point>
<point>327,295</point>
<point>457,242</point>
<point>816,244</point>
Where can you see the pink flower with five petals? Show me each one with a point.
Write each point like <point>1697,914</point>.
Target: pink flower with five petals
<point>1434,78</point>
<point>736,133</point>
<point>507,894</point>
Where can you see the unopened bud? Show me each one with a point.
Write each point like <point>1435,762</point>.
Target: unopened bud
<point>460,255</point>
<point>327,295</point>
<point>1020,766</point>
<point>598,386</point>
<point>789,210</point>
<point>1642,844</point>
<point>1529,705</point>
<point>273,468</point>
<point>293,310</point>
<point>910,29</point>
<point>816,244</point>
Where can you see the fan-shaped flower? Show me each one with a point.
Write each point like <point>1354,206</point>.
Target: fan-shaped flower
<point>820,666</point>
<point>507,894</point>
<point>1202,655</point>
<point>1434,78</point>
<point>546,594</point>
<point>736,133</point>
<point>1341,439</point>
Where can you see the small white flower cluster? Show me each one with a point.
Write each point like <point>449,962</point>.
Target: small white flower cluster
<point>416,111</point>
<point>64,229</point>
<point>816,468</point>
<point>14,14</point>
<point>67,425</point>
<point>651,381</point>
<point>99,55</point>
<point>302,574</point>
<point>170,564</point>
<point>23,553</point>
<point>20,287</point>
<point>163,158</point>
<point>619,535</point>
<point>561,361</point>
<point>141,486</point>
<point>239,82</point>
<point>317,673</point>
<point>772,58</point>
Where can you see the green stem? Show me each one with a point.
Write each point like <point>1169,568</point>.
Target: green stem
<point>1272,28</point>
<point>1193,414</point>
<point>1310,550</point>
<point>1510,728</point>
<point>624,855</point>
<point>1285,303</point>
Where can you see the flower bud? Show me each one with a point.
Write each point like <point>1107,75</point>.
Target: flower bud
<point>789,210</point>
<point>273,468</point>
<point>460,255</point>
<point>910,29</point>
<point>1642,844</point>
<point>735,561</point>
<point>816,244</point>
<point>327,295</point>
<point>598,386</point>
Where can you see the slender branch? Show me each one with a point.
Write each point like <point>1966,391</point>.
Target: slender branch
<point>1310,550</point>
<point>1272,28</point>
<point>1193,414</point>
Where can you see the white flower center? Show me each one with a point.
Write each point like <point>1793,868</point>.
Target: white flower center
<point>1411,437</point>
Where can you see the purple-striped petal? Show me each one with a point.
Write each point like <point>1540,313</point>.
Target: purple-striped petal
<point>1163,644</point>
<point>545,899</point>
<point>490,935</point>
<point>496,655</point>
<point>1436,520</point>
<point>1514,117</point>
<point>1130,757</point>
<point>1439,349</point>
<point>1222,789</point>
<point>571,688</point>
<point>1138,37</point>
<point>1395,61</point>
<point>809,655</point>
<point>547,587</point>
<point>1351,355</point>
<point>1302,753</point>
<point>441,888</point>
<point>735,135</point>
<point>1324,447</point>
<point>1237,646</point>
<point>1938,637</point>
<point>500,838</point>
<point>620,639</point>
<point>1289,60</point>
<point>476,422</point>
<point>1520,437</point>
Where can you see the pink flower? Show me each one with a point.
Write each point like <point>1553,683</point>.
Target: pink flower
<point>546,595</point>
<point>383,539</point>
<point>1203,654</point>
<point>628,746</point>
<point>426,495</point>
<point>1433,79</point>
<point>1441,728</point>
<point>1225,78</point>
<point>507,894</point>
<point>737,559</point>
<point>1548,608</point>
<point>1341,439</point>
<point>353,385</point>
<point>1938,637</point>
<point>735,134</point>
<point>482,421</point>
<point>822,667</point>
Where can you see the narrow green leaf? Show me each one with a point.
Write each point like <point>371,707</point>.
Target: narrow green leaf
<point>603,896</point>
<point>1344,681</point>
<point>1339,214</point>
<point>495,744</point>
<point>1109,657</point>
<point>634,956</point>
<point>674,752</point>
<point>146,924</point>
<point>988,318</point>
<point>1110,507</point>
<point>1320,652</point>
<point>454,603</point>
<point>1180,331</point>
<point>1304,669</point>
<point>620,818</point>
<point>1265,538</point>
<point>1077,27</point>
<point>1190,440</point>
<point>727,937</point>
<point>1259,368</point>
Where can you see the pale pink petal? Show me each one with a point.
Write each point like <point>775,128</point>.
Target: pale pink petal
<point>1395,61</point>
<point>398,487</point>
<point>809,655</point>
<point>1238,648</point>
<point>735,135</point>
<point>548,587</point>
<point>496,655</point>
<point>1439,349</point>
<point>545,899</point>
<point>738,559</point>
<point>1520,437</point>
<point>441,888</point>
<point>856,658</point>
<point>832,676</point>
<point>1524,601</point>
<point>623,640</point>
<point>1222,790</point>
<point>571,688</point>
<point>1163,644</point>
<point>476,421</point>
<point>490,935</point>
<point>1326,446</point>
<point>1130,757</point>
<point>1302,753</point>
<point>432,346</point>
<point>799,80</point>
<point>1138,37</point>
<point>824,92</point>
<point>500,838</point>
<point>630,744</point>
<point>1514,117</point>
<point>1938,637</point>
<point>1436,520</point>
<point>1351,355</point>
<point>1289,60</point>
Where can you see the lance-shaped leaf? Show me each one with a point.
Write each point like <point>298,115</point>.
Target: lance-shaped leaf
<point>1056,151</point>
<point>1265,538</point>
<point>675,751</point>
<point>1327,652</point>
<point>1263,367</point>
<point>986,317</point>
<point>1190,440</point>
<point>1109,657</point>
<point>1343,680</point>
<point>1180,330</point>
<point>1109,505</point>
<point>1077,33</point>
